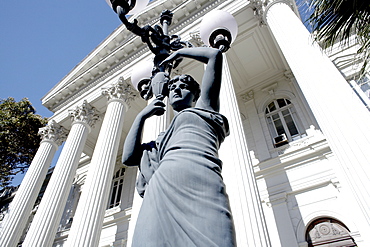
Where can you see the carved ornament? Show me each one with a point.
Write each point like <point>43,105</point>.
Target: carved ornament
<point>120,90</point>
<point>261,7</point>
<point>53,132</point>
<point>247,96</point>
<point>85,113</point>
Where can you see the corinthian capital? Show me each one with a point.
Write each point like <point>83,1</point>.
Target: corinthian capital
<point>85,113</point>
<point>53,132</point>
<point>120,90</point>
<point>260,8</point>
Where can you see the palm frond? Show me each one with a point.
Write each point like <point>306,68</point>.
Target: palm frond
<point>335,21</point>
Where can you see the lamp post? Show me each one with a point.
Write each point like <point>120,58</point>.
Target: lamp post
<point>218,30</point>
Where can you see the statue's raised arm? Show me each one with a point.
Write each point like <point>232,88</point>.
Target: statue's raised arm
<point>211,83</point>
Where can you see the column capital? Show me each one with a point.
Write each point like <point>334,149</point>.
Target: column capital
<point>261,7</point>
<point>85,113</point>
<point>121,90</point>
<point>53,132</point>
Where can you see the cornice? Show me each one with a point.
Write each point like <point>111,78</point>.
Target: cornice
<point>120,49</point>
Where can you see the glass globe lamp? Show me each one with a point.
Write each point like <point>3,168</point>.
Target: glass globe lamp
<point>133,6</point>
<point>141,76</point>
<point>218,29</point>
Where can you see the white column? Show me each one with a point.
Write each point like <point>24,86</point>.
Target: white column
<point>153,126</point>
<point>45,223</point>
<point>20,208</point>
<point>286,232</point>
<point>342,117</point>
<point>88,220</point>
<point>238,173</point>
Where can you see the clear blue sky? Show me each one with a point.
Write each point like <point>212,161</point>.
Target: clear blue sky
<point>41,41</point>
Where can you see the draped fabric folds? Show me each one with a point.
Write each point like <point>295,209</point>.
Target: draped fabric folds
<point>185,202</point>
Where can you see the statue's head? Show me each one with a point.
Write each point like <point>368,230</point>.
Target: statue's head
<point>184,91</point>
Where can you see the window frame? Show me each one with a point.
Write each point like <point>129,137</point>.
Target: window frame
<point>278,110</point>
<point>116,188</point>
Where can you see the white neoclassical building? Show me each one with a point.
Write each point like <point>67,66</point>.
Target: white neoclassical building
<point>296,164</point>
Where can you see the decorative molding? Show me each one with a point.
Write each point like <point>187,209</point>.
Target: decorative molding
<point>53,132</point>
<point>261,7</point>
<point>195,39</point>
<point>270,89</point>
<point>277,199</point>
<point>121,90</point>
<point>247,96</point>
<point>326,232</point>
<point>85,113</point>
<point>288,75</point>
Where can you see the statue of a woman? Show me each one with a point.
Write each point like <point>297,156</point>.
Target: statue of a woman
<point>185,203</point>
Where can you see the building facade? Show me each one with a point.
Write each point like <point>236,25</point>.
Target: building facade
<point>295,164</point>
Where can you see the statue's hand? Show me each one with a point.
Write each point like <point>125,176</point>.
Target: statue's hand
<point>156,107</point>
<point>170,59</point>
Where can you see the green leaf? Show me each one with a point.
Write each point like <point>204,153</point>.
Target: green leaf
<point>19,141</point>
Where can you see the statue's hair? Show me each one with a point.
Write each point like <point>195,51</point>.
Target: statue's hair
<point>189,80</point>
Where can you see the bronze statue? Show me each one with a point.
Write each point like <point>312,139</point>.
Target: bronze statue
<point>185,202</point>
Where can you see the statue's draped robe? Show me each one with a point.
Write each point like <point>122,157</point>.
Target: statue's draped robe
<point>185,203</point>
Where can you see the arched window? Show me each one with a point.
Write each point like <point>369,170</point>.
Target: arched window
<point>282,122</point>
<point>328,232</point>
<point>116,189</point>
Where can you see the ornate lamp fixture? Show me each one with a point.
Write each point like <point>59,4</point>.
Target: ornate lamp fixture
<point>141,78</point>
<point>218,29</point>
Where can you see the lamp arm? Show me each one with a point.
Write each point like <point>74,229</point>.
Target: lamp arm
<point>145,32</point>
<point>131,26</point>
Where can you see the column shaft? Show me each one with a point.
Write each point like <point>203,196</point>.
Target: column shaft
<point>24,200</point>
<point>88,219</point>
<point>342,117</point>
<point>286,231</point>
<point>153,126</point>
<point>238,173</point>
<point>45,223</point>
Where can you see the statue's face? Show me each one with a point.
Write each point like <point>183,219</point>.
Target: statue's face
<point>180,96</point>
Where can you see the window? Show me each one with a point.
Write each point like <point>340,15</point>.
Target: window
<point>282,122</point>
<point>362,89</point>
<point>116,189</point>
<point>364,84</point>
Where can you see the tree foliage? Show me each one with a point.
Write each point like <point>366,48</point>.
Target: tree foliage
<point>338,20</point>
<point>19,141</point>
